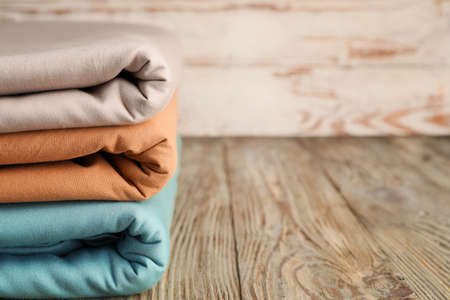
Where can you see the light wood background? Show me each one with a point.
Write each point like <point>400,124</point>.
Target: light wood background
<point>294,67</point>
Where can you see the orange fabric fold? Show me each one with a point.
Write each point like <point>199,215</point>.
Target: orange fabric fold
<point>123,163</point>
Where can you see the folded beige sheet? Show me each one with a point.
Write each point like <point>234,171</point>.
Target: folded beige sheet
<point>70,75</point>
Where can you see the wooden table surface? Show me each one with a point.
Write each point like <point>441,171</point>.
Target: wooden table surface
<point>327,218</point>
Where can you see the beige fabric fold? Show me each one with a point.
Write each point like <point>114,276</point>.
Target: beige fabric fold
<point>71,75</point>
<point>124,163</point>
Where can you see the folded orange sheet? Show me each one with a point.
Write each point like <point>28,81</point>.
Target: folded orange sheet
<point>124,163</point>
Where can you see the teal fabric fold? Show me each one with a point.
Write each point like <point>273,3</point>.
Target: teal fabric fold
<point>84,248</point>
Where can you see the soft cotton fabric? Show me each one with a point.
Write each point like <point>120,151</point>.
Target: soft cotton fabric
<point>88,111</point>
<point>84,249</point>
<point>71,74</point>
<point>124,163</point>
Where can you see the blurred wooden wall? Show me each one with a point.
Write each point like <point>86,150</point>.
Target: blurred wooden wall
<point>294,67</point>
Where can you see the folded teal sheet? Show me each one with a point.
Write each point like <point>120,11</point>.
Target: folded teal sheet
<point>84,248</point>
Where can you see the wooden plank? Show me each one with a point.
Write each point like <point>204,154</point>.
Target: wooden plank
<point>417,154</point>
<point>203,262</point>
<point>440,145</point>
<point>320,101</point>
<point>294,68</point>
<point>297,237</point>
<point>400,201</point>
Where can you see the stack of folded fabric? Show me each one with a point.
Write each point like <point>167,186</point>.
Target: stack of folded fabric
<point>88,157</point>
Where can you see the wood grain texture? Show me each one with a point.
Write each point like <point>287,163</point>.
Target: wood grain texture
<point>205,240</point>
<point>294,67</point>
<point>341,218</point>
<point>401,199</point>
<point>297,237</point>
